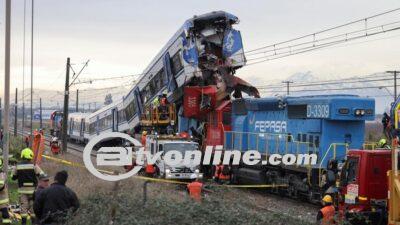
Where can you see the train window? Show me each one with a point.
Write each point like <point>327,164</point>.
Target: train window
<point>316,141</point>
<point>298,137</point>
<point>176,63</point>
<point>311,140</point>
<point>297,111</point>
<point>161,78</point>
<point>130,110</point>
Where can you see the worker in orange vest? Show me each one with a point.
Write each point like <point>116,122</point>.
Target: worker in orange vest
<point>222,173</point>
<point>195,189</point>
<point>326,215</point>
<point>150,170</point>
<point>143,139</point>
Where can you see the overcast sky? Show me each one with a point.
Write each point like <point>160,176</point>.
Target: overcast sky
<point>121,37</point>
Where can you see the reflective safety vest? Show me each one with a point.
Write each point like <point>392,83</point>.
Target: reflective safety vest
<point>218,173</point>
<point>150,169</point>
<point>4,192</point>
<point>328,213</point>
<point>195,190</point>
<point>26,175</point>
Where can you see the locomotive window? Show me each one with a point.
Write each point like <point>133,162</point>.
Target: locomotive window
<point>297,111</point>
<point>316,141</point>
<point>298,137</point>
<point>176,63</point>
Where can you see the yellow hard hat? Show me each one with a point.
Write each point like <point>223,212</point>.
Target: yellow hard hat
<point>327,199</point>
<point>382,142</point>
<point>144,132</point>
<point>27,153</point>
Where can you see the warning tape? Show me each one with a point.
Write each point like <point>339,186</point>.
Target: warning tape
<point>74,164</point>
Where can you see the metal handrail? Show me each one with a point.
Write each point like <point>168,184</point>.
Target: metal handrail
<point>334,145</point>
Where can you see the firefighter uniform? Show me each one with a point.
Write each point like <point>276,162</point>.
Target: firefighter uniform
<point>26,173</point>
<point>194,189</point>
<point>326,216</point>
<point>4,197</point>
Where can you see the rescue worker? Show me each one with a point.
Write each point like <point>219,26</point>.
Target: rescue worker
<point>150,170</point>
<point>156,102</point>
<point>222,173</point>
<point>4,197</point>
<point>54,202</point>
<point>383,144</point>
<point>26,173</point>
<point>163,107</point>
<point>43,183</point>
<point>27,140</point>
<point>143,138</point>
<point>326,215</point>
<point>195,189</point>
<point>385,121</point>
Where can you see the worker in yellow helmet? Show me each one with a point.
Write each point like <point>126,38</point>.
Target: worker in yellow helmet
<point>143,138</point>
<point>27,175</point>
<point>383,144</point>
<point>4,196</point>
<point>327,213</point>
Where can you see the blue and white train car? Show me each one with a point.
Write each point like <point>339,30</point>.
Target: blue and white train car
<point>110,118</point>
<point>200,47</point>
<point>78,127</point>
<point>326,125</point>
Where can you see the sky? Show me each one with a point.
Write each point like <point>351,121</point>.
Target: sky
<point>121,37</point>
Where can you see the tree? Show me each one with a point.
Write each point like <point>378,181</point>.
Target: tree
<point>108,99</point>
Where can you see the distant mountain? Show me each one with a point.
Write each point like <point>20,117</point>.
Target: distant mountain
<point>55,99</point>
<point>307,83</point>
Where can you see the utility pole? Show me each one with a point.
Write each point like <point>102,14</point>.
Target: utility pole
<point>16,112</point>
<point>1,110</point>
<point>65,114</point>
<point>394,72</point>
<point>23,73</point>
<point>77,99</point>
<point>33,1</point>
<point>40,113</point>
<point>287,86</point>
<point>6,129</point>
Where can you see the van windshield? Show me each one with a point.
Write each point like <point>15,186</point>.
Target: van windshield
<point>182,147</point>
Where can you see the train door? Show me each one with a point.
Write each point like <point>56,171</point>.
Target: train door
<point>97,125</point>
<point>138,100</point>
<point>82,128</point>
<point>71,126</point>
<point>114,119</point>
<point>172,85</point>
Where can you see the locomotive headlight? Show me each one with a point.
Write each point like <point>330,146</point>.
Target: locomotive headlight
<point>362,112</point>
<point>358,112</point>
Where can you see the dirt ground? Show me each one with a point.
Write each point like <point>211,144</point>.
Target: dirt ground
<point>85,184</point>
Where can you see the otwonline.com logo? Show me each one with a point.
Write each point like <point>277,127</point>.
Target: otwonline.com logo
<point>123,156</point>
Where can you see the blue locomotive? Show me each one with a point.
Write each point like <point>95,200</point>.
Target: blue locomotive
<point>326,125</point>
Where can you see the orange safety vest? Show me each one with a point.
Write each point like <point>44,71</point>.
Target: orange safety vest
<point>218,173</point>
<point>143,140</point>
<point>195,190</point>
<point>150,169</point>
<point>328,213</point>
